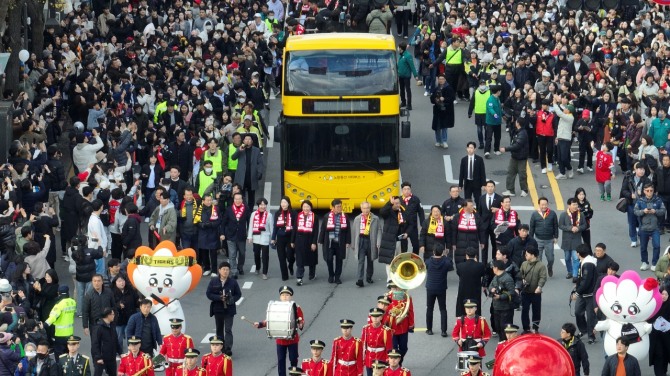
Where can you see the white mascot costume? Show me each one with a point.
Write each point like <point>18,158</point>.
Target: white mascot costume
<point>164,275</point>
<point>628,301</point>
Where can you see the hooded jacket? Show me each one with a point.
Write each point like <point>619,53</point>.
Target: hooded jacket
<point>587,278</point>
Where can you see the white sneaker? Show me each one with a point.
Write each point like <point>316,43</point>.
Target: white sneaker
<point>214,275</point>
<point>425,93</point>
<point>497,152</point>
<point>653,266</point>
<point>445,145</point>
<point>589,168</point>
<point>560,176</point>
<point>437,144</point>
<point>487,155</point>
<point>633,244</point>
<point>571,174</point>
<point>544,170</point>
<point>207,272</point>
<point>524,193</point>
<point>644,266</point>
<point>580,170</point>
<point>550,167</point>
<point>456,101</point>
<point>508,193</point>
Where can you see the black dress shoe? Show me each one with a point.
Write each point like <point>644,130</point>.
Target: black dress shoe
<point>429,332</point>
<point>299,283</point>
<point>241,271</point>
<point>290,269</point>
<point>569,276</point>
<point>409,108</point>
<point>331,279</point>
<point>444,334</point>
<point>311,277</point>
<point>338,281</point>
<point>359,283</point>
<point>370,281</point>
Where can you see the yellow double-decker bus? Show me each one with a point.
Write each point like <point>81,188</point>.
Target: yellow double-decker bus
<point>340,124</point>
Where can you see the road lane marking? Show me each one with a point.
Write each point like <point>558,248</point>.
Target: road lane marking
<point>269,142</point>
<point>532,189</point>
<point>558,198</point>
<point>253,269</point>
<point>247,285</point>
<point>267,191</point>
<point>237,303</point>
<point>206,339</point>
<point>448,171</point>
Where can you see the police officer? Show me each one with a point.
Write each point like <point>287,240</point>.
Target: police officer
<point>73,363</point>
<point>135,362</point>
<point>62,318</point>
<point>217,363</point>
<point>475,367</point>
<point>190,366</point>
<point>173,347</point>
<point>394,368</point>
<point>316,365</point>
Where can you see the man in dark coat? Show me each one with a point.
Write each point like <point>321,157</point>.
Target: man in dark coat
<point>412,208</point>
<point>234,226</point>
<point>472,173</point>
<point>335,239</point>
<point>48,366</point>
<point>144,319</point>
<point>394,227</point>
<point>442,99</point>
<point>70,213</point>
<point>180,153</point>
<point>250,167</point>
<point>487,205</point>
<point>470,274</point>
<point>95,301</point>
<point>223,292</point>
<point>104,344</point>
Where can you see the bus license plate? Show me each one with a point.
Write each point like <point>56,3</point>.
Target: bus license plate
<point>347,207</point>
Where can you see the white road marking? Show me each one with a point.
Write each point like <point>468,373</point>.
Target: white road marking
<point>206,339</point>
<point>563,262</point>
<point>267,191</point>
<point>237,303</point>
<point>247,285</point>
<point>448,171</point>
<point>253,269</point>
<point>269,142</point>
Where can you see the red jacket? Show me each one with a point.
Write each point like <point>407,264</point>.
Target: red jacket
<point>403,326</point>
<point>545,123</point>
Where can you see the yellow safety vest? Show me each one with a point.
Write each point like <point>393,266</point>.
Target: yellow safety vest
<point>480,101</point>
<point>232,163</point>
<point>241,130</point>
<point>205,181</point>
<point>216,159</point>
<point>453,57</point>
<point>62,317</point>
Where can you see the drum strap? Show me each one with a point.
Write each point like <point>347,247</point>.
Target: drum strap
<point>225,366</point>
<point>385,332</point>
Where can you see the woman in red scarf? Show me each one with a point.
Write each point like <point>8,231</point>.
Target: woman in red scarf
<point>284,225</point>
<point>207,219</point>
<point>304,241</point>
<point>260,229</point>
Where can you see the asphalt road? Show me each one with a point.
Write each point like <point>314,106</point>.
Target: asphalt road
<point>431,171</point>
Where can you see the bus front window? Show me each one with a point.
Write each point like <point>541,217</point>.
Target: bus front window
<point>341,72</point>
<point>342,144</point>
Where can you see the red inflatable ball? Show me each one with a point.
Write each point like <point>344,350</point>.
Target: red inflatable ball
<point>534,355</point>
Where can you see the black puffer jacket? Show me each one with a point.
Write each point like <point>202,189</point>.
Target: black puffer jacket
<point>390,233</point>
<point>7,237</point>
<point>85,261</point>
<point>55,180</point>
<point>463,239</point>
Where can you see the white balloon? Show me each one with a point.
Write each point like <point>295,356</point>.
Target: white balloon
<point>24,55</point>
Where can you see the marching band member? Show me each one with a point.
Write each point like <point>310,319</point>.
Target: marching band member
<point>475,367</point>
<point>471,332</point>
<point>377,339</point>
<point>316,365</point>
<point>190,366</point>
<point>378,367</point>
<point>217,363</point>
<point>135,362</point>
<point>286,345</point>
<point>394,368</point>
<point>347,355</point>
<point>400,314</point>
<point>511,332</point>
<point>173,347</point>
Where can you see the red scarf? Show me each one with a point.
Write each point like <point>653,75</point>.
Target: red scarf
<point>511,219</point>
<point>284,220</point>
<point>259,222</point>
<point>545,214</point>
<point>364,224</point>
<point>406,199</point>
<point>467,222</point>
<point>330,225</point>
<point>305,222</point>
<point>238,211</point>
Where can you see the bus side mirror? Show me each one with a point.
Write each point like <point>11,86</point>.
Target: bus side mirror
<point>405,127</point>
<point>276,136</point>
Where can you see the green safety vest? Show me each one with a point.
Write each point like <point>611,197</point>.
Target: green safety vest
<point>205,181</point>
<point>480,101</point>
<point>216,159</point>
<point>232,163</point>
<point>62,317</point>
<point>453,57</point>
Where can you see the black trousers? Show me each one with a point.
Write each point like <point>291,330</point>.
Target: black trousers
<point>413,236</point>
<point>207,258</point>
<point>281,357</point>
<point>488,237</point>
<point>471,190</point>
<point>224,329</point>
<point>261,257</point>
<point>441,298</point>
<point>502,317</point>
<point>546,146</point>
<point>532,144</point>
<point>402,22</point>
<point>529,301</point>
<point>584,315</point>
<point>405,90</point>
<point>334,270</point>
<point>286,256</point>
<point>108,366</point>
<point>585,149</point>
<point>492,133</point>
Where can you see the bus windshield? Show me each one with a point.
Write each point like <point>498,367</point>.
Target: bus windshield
<point>341,72</point>
<point>341,144</point>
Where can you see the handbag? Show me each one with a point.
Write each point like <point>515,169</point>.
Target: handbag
<point>622,205</point>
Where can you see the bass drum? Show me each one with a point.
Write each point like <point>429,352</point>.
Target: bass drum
<point>549,358</point>
<point>281,319</point>
<point>574,4</point>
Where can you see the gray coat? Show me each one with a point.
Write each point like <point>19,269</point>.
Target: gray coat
<point>168,222</point>
<point>571,240</point>
<point>375,234</point>
<point>256,164</point>
<point>378,21</point>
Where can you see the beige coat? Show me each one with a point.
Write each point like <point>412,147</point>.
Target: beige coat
<point>375,234</point>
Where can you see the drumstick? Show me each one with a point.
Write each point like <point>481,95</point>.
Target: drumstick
<point>247,320</point>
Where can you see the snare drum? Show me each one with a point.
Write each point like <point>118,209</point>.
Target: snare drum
<point>281,319</point>
<point>463,364</point>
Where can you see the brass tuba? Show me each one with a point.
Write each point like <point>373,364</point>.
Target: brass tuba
<point>408,271</point>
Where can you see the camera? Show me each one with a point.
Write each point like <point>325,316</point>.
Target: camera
<point>227,299</point>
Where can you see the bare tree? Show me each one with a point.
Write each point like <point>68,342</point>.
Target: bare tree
<point>36,14</point>
<point>16,44</point>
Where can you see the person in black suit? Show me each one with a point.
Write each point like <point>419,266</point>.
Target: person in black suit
<point>412,206</point>
<point>171,118</point>
<point>151,171</point>
<point>335,239</point>
<point>470,274</point>
<point>472,174</point>
<point>488,204</point>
